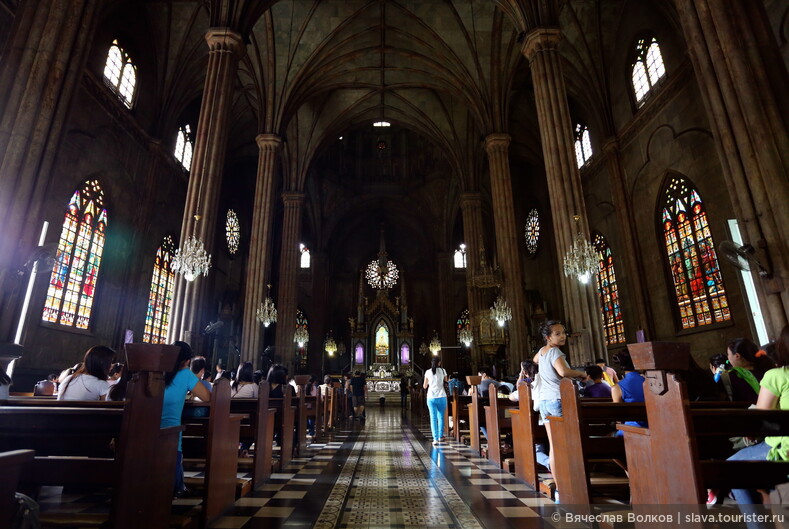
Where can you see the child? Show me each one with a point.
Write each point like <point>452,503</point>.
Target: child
<point>596,387</point>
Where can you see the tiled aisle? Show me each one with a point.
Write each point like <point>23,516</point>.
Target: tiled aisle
<point>385,473</point>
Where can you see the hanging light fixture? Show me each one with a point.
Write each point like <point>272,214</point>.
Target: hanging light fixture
<point>500,312</point>
<point>301,336</point>
<point>267,313</point>
<point>466,336</point>
<point>191,259</point>
<point>581,259</point>
<point>435,344</point>
<point>382,273</point>
<point>330,345</point>
<point>423,349</point>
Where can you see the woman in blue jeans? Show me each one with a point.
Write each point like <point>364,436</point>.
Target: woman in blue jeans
<point>436,399</point>
<point>553,367</point>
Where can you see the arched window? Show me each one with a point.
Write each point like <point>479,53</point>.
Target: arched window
<point>608,293</point>
<point>183,147</point>
<point>460,256</point>
<point>463,321</point>
<point>304,261</point>
<point>532,231</point>
<point>232,232</point>
<point>301,336</point>
<point>157,318</point>
<point>405,354</point>
<point>583,145</point>
<point>648,68</point>
<point>382,343</point>
<point>73,282</point>
<point>120,74</point>
<point>698,285</point>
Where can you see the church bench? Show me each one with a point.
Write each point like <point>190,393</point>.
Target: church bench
<point>476,418</point>
<point>104,446</point>
<point>214,438</point>
<point>11,464</point>
<point>284,423</point>
<point>685,439</point>
<point>581,442</point>
<point>497,424</point>
<point>460,405</point>
<point>526,433</point>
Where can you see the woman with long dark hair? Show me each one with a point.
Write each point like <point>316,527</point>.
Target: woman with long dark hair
<point>244,387</point>
<point>749,365</point>
<point>436,399</point>
<point>177,383</point>
<point>89,382</point>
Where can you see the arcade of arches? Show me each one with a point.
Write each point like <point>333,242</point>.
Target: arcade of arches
<point>129,127</point>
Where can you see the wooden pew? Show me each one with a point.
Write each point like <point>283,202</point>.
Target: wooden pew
<point>476,415</point>
<point>681,440</point>
<point>217,441</point>
<point>460,413</point>
<point>284,424</point>
<point>73,444</point>
<point>10,468</point>
<point>497,424</point>
<point>526,433</point>
<point>582,435</point>
<point>300,432</point>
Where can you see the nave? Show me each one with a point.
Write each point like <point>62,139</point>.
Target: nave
<point>385,473</point>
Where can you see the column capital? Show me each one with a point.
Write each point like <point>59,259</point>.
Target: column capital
<point>497,141</point>
<point>268,142</point>
<point>292,198</point>
<point>470,200</point>
<point>611,145</point>
<point>224,39</point>
<point>540,40</point>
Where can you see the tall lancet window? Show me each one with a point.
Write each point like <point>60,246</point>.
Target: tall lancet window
<point>460,256</point>
<point>648,68</point>
<point>120,74</point>
<point>608,293</point>
<point>183,147</point>
<point>157,318</point>
<point>72,285</point>
<point>698,285</point>
<point>583,145</point>
<point>304,259</point>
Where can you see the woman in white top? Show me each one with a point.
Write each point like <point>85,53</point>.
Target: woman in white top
<point>436,399</point>
<point>89,382</point>
<point>244,387</point>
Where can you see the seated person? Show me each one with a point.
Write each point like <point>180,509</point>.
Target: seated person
<point>629,389</point>
<point>455,384</point>
<point>609,374</point>
<point>596,388</point>
<point>89,382</point>
<point>45,387</point>
<point>749,365</point>
<point>487,380</point>
<point>244,387</point>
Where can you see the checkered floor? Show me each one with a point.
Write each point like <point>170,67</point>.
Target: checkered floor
<point>385,473</point>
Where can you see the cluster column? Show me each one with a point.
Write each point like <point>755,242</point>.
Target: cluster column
<point>288,272</point>
<point>471,206</point>
<point>730,45</point>
<point>564,185</point>
<point>43,63</point>
<point>202,196</point>
<point>497,147</point>
<point>260,239</point>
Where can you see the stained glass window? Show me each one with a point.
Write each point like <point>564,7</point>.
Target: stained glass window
<point>405,354</point>
<point>463,321</point>
<point>120,74</point>
<point>359,354</point>
<point>157,318</point>
<point>302,326</point>
<point>698,285</point>
<point>304,260</point>
<point>232,232</point>
<point>532,231</point>
<point>583,145</point>
<point>648,67</point>
<point>183,147</point>
<point>608,293</point>
<point>460,256</point>
<point>73,283</point>
<point>382,343</point>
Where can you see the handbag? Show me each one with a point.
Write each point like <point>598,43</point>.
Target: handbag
<point>536,389</point>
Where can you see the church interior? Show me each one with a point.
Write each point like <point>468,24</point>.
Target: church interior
<point>363,185</point>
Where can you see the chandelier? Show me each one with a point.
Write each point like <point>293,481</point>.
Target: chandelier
<point>435,344</point>
<point>500,312</point>
<point>466,336</point>
<point>382,273</point>
<point>423,349</point>
<point>267,313</point>
<point>581,259</point>
<point>301,336</point>
<point>330,345</point>
<point>191,259</point>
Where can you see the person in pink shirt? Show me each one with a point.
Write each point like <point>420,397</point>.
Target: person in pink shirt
<point>609,375</point>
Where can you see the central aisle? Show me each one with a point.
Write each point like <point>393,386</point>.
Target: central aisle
<point>384,473</point>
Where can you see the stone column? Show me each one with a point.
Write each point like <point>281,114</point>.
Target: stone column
<point>734,57</point>
<point>288,274</point>
<point>205,179</point>
<point>259,251</point>
<point>471,206</point>
<point>497,147</point>
<point>629,254</point>
<point>564,186</point>
<point>41,69</point>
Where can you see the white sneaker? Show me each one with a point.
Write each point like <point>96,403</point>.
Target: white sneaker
<point>436,443</point>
